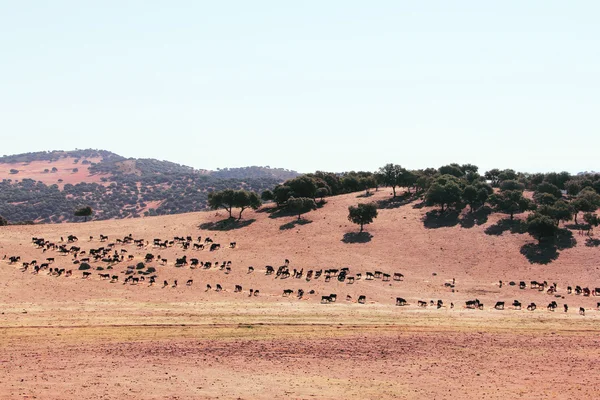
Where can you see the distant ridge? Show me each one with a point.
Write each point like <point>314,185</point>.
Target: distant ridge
<point>47,186</point>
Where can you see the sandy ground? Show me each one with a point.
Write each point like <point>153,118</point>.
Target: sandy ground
<point>74,338</point>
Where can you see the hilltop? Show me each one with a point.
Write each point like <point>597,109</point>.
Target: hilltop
<point>48,186</point>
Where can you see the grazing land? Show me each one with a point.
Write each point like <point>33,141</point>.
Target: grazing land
<point>70,337</point>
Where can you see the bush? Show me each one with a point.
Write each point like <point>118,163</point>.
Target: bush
<point>140,266</point>
<point>84,266</point>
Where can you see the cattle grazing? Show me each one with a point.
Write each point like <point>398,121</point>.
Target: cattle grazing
<point>451,305</point>
<point>14,259</point>
<point>596,292</point>
<point>198,246</point>
<point>473,303</point>
<point>174,283</point>
<point>552,306</point>
<point>516,304</point>
<point>586,291</point>
<point>287,292</point>
<point>103,238</point>
<point>400,301</point>
<point>531,307</point>
<point>581,311</point>
<point>386,277</point>
<point>215,246</point>
<point>104,276</point>
<point>189,282</point>
<point>86,274</point>
<point>114,278</point>
<point>256,292</point>
<point>566,307</point>
<point>218,288</point>
<point>499,305</point>
<point>232,245</point>
<point>208,287</point>
<point>165,284</point>
<point>398,276</point>
<point>362,299</point>
<point>238,288</point>
<point>333,297</point>
<point>325,299</point>
<point>578,290</point>
<point>422,303</point>
<point>440,304</point>
<point>569,290</point>
<point>522,285</point>
<point>500,284</point>
<point>369,276</point>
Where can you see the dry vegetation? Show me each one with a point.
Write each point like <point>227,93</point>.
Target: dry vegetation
<point>89,339</point>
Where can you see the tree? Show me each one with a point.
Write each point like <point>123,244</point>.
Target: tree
<point>245,199</point>
<point>301,205</point>
<point>510,202</point>
<point>546,199</point>
<point>267,195</point>
<point>367,182</point>
<point>54,169</point>
<point>281,194</point>
<point>14,171</point>
<point>546,187</point>
<point>390,174</point>
<point>587,201</point>
<point>302,186</point>
<point>445,190</point>
<point>222,199</point>
<point>362,214</point>
<point>75,170</point>
<point>3,221</point>
<point>452,169</point>
<point>493,176</point>
<point>559,211</point>
<point>591,219</point>
<point>541,226</point>
<point>84,212</point>
<point>322,192</point>
<point>511,185</point>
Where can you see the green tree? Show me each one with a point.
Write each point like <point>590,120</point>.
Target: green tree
<point>451,169</point>
<point>3,221</point>
<point>367,183</point>
<point>322,192</point>
<point>511,185</point>
<point>302,186</point>
<point>591,219</point>
<point>84,212</point>
<point>390,175</point>
<point>362,214</point>
<point>546,187</point>
<point>222,199</point>
<point>587,201</point>
<point>281,194</point>
<point>267,195</point>
<point>541,226</point>
<point>546,199</point>
<point>244,199</point>
<point>301,205</point>
<point>510,202</point>
<point>446,190</point>
<point>559,211</point>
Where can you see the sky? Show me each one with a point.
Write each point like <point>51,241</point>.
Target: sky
<point>306,85</point>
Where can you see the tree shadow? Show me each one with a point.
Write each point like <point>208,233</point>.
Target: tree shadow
<point>592,242</point>
<point>398,201</point>
<point>503,225</point>
<point>436,219</point>
<point>357,237</point>
<point>564,239</point>
<point>227,224</point>
<point>281,212</point>
<point>294,223</point>
<point>537,253</point>
<point>364,195</point>
<point>478,217</point>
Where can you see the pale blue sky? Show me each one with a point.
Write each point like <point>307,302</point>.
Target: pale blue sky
<point>306,85</point>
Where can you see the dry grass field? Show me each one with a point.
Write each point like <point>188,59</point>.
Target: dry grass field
<point>74,338</point>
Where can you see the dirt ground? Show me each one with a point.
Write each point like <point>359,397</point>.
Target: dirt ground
<point>74,338</point>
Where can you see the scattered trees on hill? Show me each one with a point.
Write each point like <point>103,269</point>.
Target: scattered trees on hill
<point>229,198</point>
<point>394,175</point>
<point>362,214</point>
<point>510,202</point>
<point>84,212</point>
<point>301,205</point>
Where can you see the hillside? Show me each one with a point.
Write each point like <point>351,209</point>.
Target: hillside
<point>47,186</point>
<point>122,337</point>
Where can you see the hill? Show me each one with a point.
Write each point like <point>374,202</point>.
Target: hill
<point>47,186</point>
<point>231,344</point>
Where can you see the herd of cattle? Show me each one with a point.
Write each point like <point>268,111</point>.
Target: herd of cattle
<point>107,253</point>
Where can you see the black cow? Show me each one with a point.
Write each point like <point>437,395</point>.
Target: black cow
<point>499,305</point>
